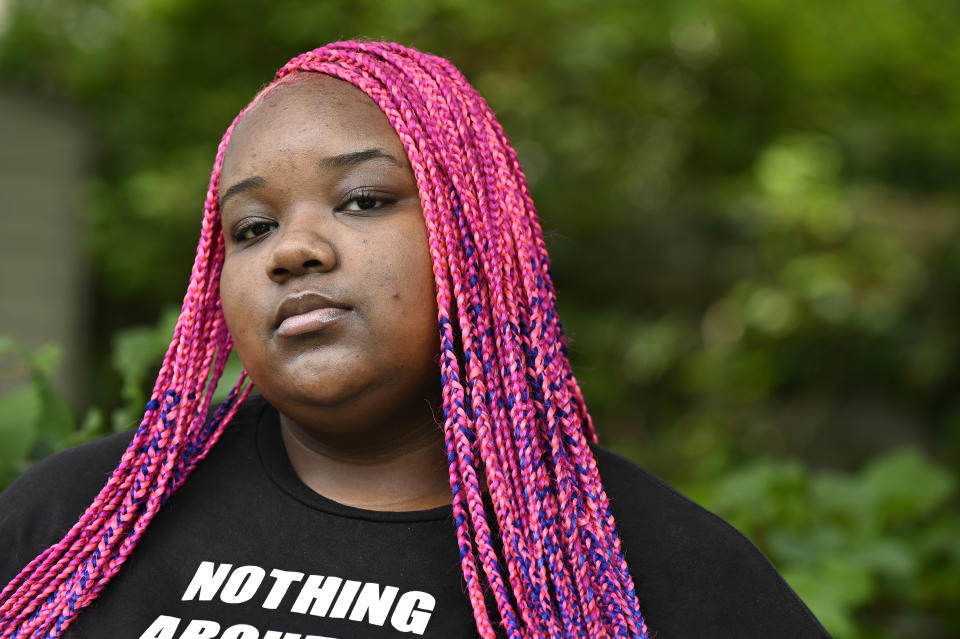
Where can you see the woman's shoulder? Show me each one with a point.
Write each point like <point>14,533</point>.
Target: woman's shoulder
<point>695,574</point>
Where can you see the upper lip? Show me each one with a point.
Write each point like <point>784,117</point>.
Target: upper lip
<point>304,302</point>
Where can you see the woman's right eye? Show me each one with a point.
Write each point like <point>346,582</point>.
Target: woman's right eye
<point>252,230</point>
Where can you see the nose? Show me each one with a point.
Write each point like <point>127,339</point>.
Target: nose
<point>299,249</point>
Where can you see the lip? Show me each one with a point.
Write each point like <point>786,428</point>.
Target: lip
<point>307,312</point>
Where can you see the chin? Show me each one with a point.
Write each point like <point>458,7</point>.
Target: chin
<point>326,392</point>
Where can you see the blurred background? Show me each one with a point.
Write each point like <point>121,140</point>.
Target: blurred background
<point>753,209</point>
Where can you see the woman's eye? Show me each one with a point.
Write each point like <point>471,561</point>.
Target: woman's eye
<point>252,230</point>
<point>364,202</point>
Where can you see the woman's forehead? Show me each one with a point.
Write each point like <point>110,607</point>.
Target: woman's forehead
<point>327,85</point>
<point>311,110</point>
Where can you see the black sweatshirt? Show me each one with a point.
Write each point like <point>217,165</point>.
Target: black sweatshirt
<point>244,550</point>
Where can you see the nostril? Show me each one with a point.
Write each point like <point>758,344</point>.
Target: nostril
<point>312,264</point>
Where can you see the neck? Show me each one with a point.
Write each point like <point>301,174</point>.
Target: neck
<point>401,469</point>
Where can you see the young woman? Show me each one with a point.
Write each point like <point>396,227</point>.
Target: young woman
<point>419,461</point>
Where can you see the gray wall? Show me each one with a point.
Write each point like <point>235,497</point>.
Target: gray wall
<point>42,273</point>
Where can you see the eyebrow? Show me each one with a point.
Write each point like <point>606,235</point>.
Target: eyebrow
<point>333,162</point>
<point>241,186</point>
<point>357,157</point>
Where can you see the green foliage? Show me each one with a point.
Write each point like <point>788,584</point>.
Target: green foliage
<point>874,554</point>
<point>769,194</point>
<point>37,420</point>
<point>137,353</point>
<point>18,418</point>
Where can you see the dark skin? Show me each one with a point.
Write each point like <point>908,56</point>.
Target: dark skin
<point>328,292</point>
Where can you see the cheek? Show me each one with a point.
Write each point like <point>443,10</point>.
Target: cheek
<point>413,278</point>
<point>236,303</point>
<point>420,307</point>
<point>402,270</point>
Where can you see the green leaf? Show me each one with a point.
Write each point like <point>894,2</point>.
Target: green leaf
<point>887,556</point>
<point>833,590</point>
<point>758,494</point>
<point>137,353</point>
<point>843,498</point>
<point>19,410</point>
<point>57,419</point>
<point>46,360</point>
<point>94,426</point>
<point>791,547</point>
<point>907,485</point>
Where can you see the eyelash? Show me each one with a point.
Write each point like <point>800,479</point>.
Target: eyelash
<point>365,194</point>
<point>243,228</point>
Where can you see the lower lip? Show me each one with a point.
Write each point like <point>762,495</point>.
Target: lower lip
<point>309,322</point>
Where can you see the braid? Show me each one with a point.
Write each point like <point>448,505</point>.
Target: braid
<point>540,555</point>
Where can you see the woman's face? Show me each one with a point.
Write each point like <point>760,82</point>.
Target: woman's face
<point>327,285</point>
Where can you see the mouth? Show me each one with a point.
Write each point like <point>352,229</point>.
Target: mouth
<point>307,312</point>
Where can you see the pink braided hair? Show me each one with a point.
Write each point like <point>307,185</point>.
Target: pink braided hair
<point>514,415</point>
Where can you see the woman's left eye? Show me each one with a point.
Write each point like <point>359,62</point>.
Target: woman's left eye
<point>364,202</point>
